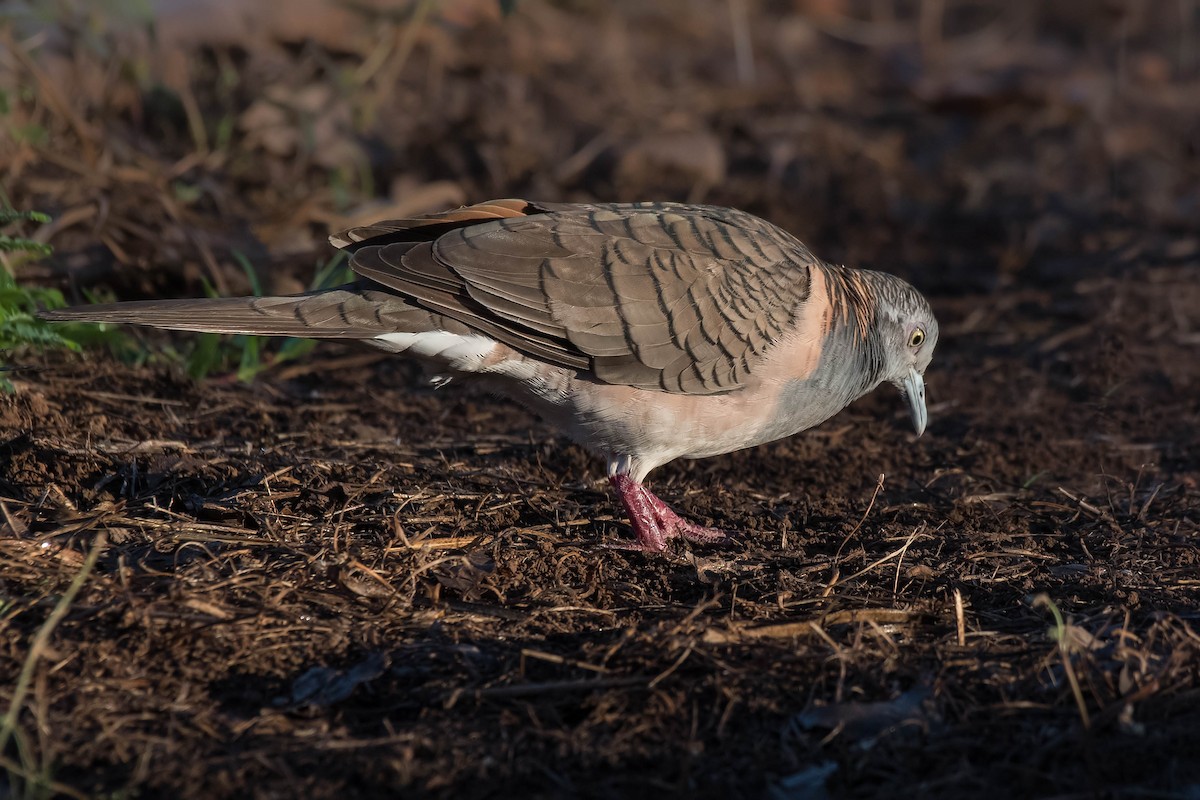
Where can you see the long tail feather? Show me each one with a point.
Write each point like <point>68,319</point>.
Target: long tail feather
<point>331,314</point>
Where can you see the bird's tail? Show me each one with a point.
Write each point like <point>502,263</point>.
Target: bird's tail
<point>347,312</point>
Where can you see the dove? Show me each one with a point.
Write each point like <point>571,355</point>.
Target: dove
<point>647,332</point>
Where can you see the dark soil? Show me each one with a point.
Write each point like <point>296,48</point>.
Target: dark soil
<point>338,582</point>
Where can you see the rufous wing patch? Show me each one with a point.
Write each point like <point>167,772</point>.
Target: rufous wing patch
<point>480,212</point>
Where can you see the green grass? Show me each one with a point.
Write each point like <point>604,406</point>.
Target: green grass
<point>19,328</point>
<point>247,357</point>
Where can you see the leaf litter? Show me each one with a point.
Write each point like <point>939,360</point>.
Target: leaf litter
<point>338,581</point>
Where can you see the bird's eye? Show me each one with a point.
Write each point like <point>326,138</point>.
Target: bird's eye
<point>916,337</point>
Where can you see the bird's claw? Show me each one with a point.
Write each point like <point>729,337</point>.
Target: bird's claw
<point>654,523</point>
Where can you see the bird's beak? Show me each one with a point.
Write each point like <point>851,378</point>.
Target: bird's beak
<point>913,387</point>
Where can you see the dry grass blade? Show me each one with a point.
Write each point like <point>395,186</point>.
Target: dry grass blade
<point>960,622</point>
<point>41,641</point>
<point>836,573</point>
<point>808,627</point>
<point>40,783</point>
<point>1066,654</point>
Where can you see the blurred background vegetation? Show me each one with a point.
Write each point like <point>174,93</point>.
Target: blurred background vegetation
<point>190,146</point>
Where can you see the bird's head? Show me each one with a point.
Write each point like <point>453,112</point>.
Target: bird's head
<point>908,335</point>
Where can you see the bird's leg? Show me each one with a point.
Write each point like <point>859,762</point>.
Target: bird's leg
<point>654,523</point>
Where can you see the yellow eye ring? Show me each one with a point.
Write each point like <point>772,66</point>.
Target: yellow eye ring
<point>916,337</point>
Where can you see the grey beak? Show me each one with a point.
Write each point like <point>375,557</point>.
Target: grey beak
<point>913,386</point>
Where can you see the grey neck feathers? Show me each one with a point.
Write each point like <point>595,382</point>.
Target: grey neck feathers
<point>852,362</point>
<point>851,365</point>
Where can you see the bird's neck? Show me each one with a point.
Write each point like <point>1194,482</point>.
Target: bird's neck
<point>853,357</point>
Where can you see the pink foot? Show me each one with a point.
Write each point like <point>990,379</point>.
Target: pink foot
<point>654,523</point>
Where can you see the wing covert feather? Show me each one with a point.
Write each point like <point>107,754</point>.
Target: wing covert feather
<point>674,297</point>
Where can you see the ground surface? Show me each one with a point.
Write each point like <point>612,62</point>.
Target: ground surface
<point>338,582</point>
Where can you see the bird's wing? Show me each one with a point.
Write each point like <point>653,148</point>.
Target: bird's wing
<point>680,298</point>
